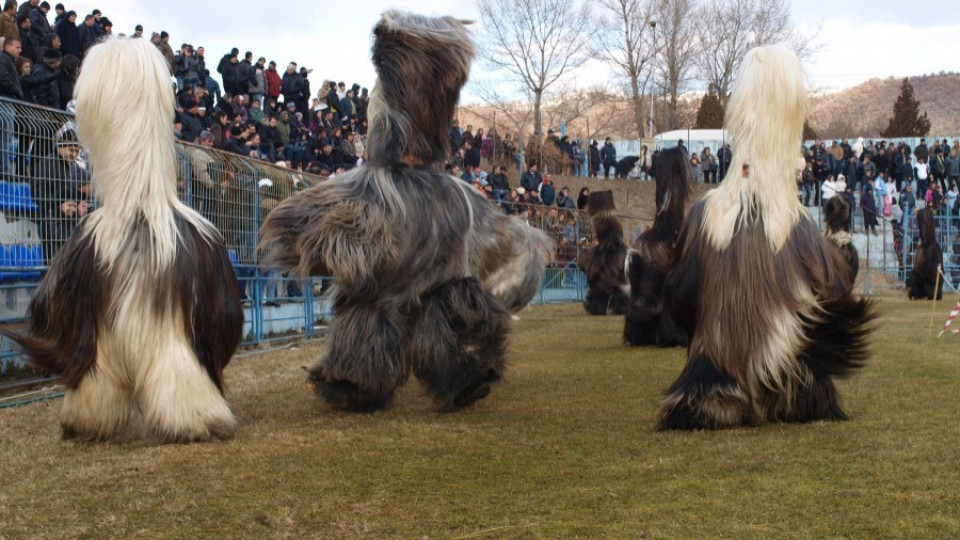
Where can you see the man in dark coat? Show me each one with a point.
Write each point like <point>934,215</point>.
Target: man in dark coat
<point>69,35</point>
<point>48,94</point>
<point>231,76</point>
<point>26,7</point>
<point>471,155</point>
<point>246,72</point>
<point>594,159</point>
<point>292,85</point>
<point>608,156</point>
<point>88,34</point>
<point>10,85</point>
<point>28,46</point>
<point>39,24</point>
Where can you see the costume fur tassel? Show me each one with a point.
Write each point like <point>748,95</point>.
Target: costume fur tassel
<point>924,282</point>
<point>140,310</point>
<point>427,270</point>
<point>603,263</point>
<point>647,322</point>
<point>765,298</point>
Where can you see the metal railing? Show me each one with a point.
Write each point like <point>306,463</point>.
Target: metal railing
<point>46,188</point>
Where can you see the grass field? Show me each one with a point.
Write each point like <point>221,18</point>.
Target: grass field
<point>565,448</point>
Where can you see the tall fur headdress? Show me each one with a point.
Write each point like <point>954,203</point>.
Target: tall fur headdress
<point>422,64</point>
<point>765,117</point>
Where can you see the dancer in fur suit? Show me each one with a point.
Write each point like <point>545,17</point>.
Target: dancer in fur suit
<point>647,323</point>
<point>427,270</point>
<point>603,264</point>
<point>837,217</point>
<point>140,310</point>
<point>766,299</point>
<point>923,281</point>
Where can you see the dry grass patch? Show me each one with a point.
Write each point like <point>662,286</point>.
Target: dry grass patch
<point>565,448</point>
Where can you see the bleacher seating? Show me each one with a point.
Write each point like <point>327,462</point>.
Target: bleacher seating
<point>20,262</point>
<point>17,197</point>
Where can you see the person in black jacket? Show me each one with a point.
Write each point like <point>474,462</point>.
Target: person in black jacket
<point>608,155</point>
<point>292,85</point>
<point>10,85</point>
<point>69,35</point>
<point>246,72</point>
<point>68,76</point>
<point>231,77</point>
<point>191,121</point>
<point>39,25</point>
<point>88,34</point>
<point>48,94</point>
<point>471,154</point>
<point>28,45</point>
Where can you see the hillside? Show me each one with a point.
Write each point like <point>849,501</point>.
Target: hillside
<point>865,109</point>
<point>862,110</point>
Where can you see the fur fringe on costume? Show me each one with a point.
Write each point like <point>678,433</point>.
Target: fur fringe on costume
<point>837,216</point>
<point>766,299</point>
<point>140,311</point>
<point>647,322</point>
<point>427,270</point>
<point>927,260</point>
<point>603,264</point>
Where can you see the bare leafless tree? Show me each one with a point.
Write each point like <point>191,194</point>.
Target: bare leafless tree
<point>730,28</point>
<point>677,54</point>
<point>536,41</point>
<point>624,41</point>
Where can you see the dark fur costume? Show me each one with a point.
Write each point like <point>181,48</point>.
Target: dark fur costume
<point>603,264</point>
<point>837,217</point>
<point>766,299</point>
<point>647,322</point>
<point>427,270</point>
<point>923,282</point>
<point>140,310</point>
<point>625,165</point>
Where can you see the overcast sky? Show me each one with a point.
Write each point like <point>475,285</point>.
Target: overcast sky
<point>859,40</point>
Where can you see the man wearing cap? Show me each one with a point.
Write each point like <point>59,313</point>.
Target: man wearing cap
<point>190,120</point>
<point>48,94</point>
<point>138,31</point>
<point>231,76</point>
<point>26,7</point>
<point>166,50</point>
<point>69,35</point>
<point>63,192</point>
<point>39,24</point>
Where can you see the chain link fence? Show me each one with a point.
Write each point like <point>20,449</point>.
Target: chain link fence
<point>46,187</point>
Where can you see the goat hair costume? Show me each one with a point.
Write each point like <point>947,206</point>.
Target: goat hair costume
<point>837,216</point>
<point>924,278</point>
<point>647,321</point>
<point>140,310</point>
<point>766,299</point>
<point>603,264</point>
<point>427,270</point>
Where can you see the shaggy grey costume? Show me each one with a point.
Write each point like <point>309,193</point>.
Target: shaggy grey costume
<point>427,269</point>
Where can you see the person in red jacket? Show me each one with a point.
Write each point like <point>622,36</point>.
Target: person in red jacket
<point>273,81</point>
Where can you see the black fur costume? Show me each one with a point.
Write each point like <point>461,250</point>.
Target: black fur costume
<point>837,217</point>
<point>923,282</point>
<point>427,270</point>
<point>647,322</point>
<point>603,264</point>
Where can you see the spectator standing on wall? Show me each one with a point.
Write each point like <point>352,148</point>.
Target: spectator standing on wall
<point>8,21</point>
<point>291,85</point>
<point>952,166</point>
<point>246,72</point>
<point>166,50</point>
<point>88,34</point>
<point>608,156</point>
<point>69,35</point>
<point>39,24</point>
<point>273,81</point>
<point>258,82</point>
<point>231,77</point>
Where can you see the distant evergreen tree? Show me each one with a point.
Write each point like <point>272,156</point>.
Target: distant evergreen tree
<point>710,114</point>
<point>906,120</point>
<point>808,133</point>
